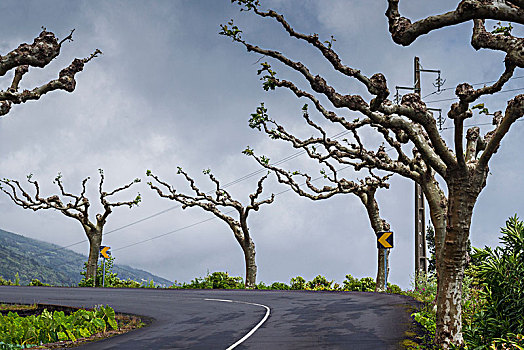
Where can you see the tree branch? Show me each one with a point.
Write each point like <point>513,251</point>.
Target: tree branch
<point>513,46</point>
<point>38,54</point>
<point>404,32</point>
<point>514,111</point>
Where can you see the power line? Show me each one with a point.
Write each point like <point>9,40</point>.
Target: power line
<point>478,124</point>
<point>245,177</point>
<point>456,98</point>
<point>482,83</point>
<point>283,160</point>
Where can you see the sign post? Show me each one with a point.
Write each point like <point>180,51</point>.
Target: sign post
<point>105,253</point>
<point>385,241</point>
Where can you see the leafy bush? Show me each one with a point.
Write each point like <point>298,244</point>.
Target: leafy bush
<point>4,282</point>
<point>319,283</point>
<point>498,277</point>
<point>298,283</point>
<point>216,280</point>
<point>37,283</point>
<point>280,286</point>
<point>52,327</point>
<point>366,284</point>
<point>111,278</point>
<point>424,287</point>
<point>393,288</point>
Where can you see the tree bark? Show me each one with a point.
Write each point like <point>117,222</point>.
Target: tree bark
<point>248,247</point>
<point>251,266</point>
<point>380,285</point>
<point>378,225</point>
<point>95,241</point>
<point>464,187</point>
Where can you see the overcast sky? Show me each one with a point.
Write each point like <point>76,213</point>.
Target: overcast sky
<point>169,91</point>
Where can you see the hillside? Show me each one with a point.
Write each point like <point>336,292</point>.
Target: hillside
<point>52,264</point>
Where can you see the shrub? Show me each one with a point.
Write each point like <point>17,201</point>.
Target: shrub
<point>298,283</point>
<point>393,288</point>
<point>352,284</point>
<point>37,283</point>
<point>4,282</point>
<point>499,282</point>
<point>216,280</point>
<point>279,286</point>
<point>319,283</point>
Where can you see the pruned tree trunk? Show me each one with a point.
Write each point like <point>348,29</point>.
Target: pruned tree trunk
<point>95,241</point>
<point>251,266</point>
<point>383,267</point>
<point>463,193</point>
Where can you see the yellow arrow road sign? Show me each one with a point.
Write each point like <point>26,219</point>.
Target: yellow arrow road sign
<point>104,252</point>
<point>385,239</point>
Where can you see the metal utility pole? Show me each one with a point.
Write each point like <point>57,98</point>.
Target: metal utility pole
<point>421,264</point>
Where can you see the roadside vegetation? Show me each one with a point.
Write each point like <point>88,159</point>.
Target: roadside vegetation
<point>492,307</point>
<point>493,290</point>
<point>57,328</point>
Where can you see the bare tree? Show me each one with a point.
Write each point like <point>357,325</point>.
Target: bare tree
<point>365,189</point>
<point>38,54</point>
<point>411,123</point>
<point>73,206</point>
<point>216,205</point>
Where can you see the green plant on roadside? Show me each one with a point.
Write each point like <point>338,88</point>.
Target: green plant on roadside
<point>280,286</point>
<point>353,284</point>
<point>52,327</point>
<point>4,282</point>
<point>424,287</point>
<point>394,289</point>
<point>215,280</point>
<point>298,283</point>
<point>500,287</point>
<point>111,278</point>
<point>319,283</point>
<point>37,283</point>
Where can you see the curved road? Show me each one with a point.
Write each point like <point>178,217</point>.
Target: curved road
<point>187,319</point>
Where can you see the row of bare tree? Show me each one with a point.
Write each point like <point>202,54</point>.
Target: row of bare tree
<point>77,206</point>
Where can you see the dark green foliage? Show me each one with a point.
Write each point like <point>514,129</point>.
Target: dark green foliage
<point>298,283</point>
<point>37,283</point>
<point>216,280</point>
<point>52,327</point>
<point>280,286</point>
<point>499,277</point>
<point>393,288</point>
<point>51,264</point>
<point>430,241</point>
<point>319,283</point>
<point>366,284</point>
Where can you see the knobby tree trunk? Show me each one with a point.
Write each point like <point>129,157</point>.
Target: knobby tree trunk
<point>248,247</point>
<point>95,241</point>
<point>463,191</point>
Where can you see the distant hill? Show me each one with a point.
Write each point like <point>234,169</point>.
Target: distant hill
<point>52,264</point>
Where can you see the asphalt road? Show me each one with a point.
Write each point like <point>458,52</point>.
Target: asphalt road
<point>186,319</point>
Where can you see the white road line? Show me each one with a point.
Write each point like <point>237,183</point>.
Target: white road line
<point>250,333</point>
